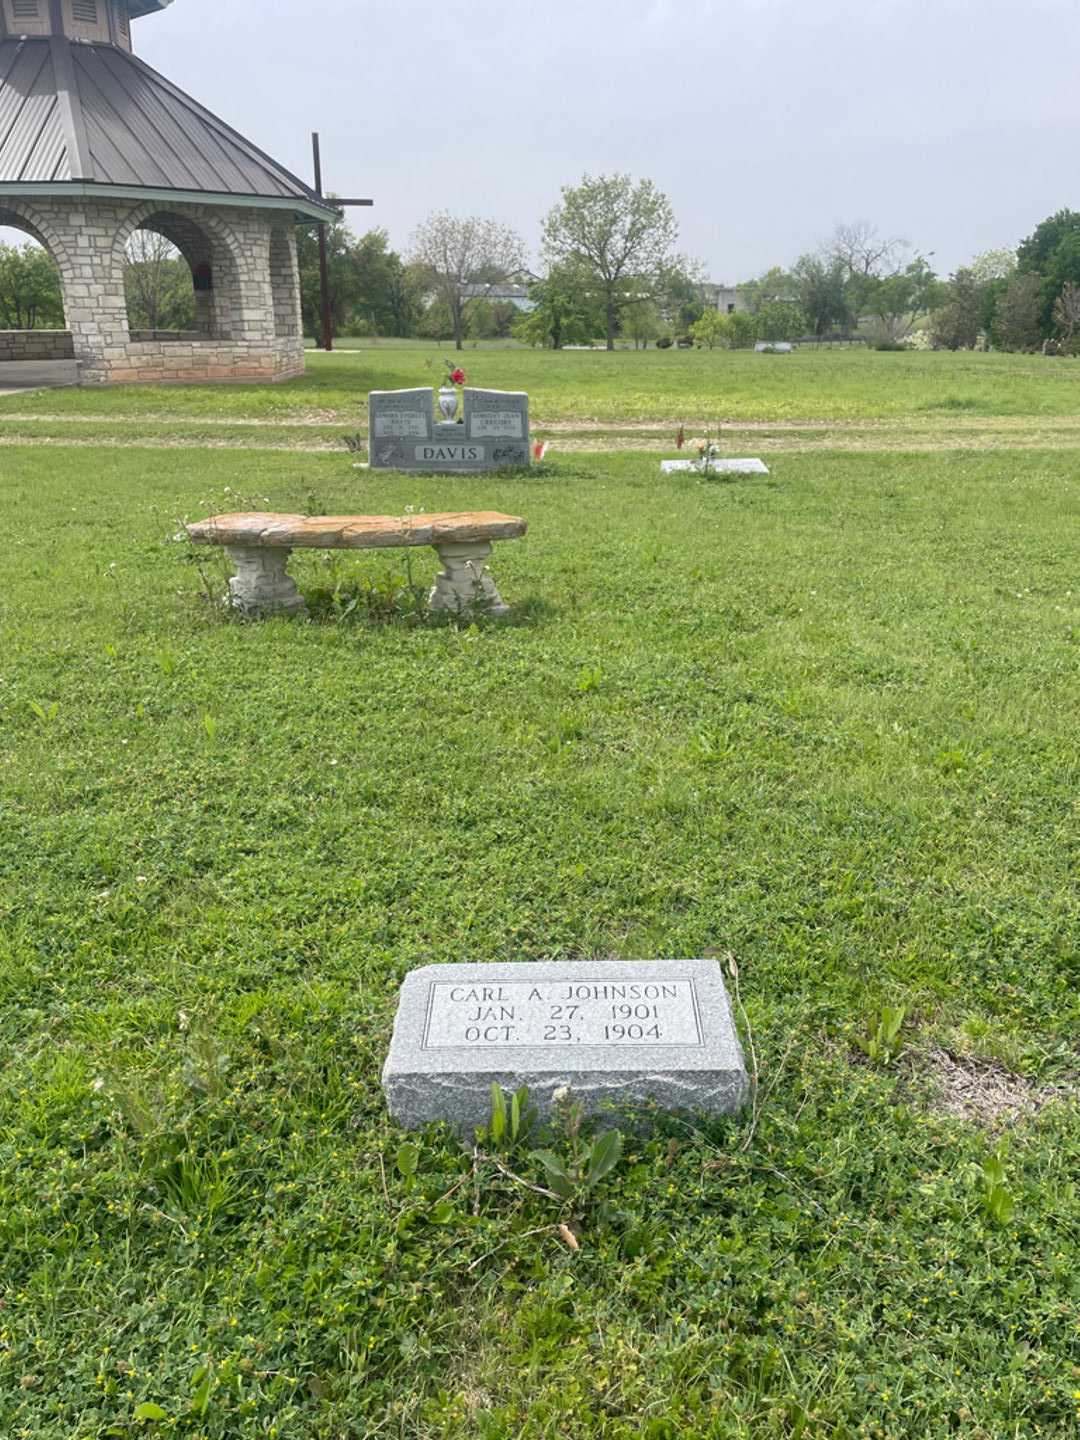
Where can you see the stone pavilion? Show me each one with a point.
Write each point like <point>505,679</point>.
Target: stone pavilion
<point>95,145</point>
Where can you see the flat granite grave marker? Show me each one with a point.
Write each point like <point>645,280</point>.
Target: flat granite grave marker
<point>403,433</point>
<point>715,467</point>
<point>616,1033</point>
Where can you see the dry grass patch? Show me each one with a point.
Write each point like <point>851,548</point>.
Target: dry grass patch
<point>982,1092</point>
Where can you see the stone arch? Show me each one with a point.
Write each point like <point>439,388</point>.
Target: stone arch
<point>211,252</point>
<point>285,282</point>
<point>16,215</point>
<point>20,216</point>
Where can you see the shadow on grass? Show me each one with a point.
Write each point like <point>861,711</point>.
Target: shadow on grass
<point>388,602</point>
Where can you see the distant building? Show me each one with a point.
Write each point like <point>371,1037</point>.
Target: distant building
<point>728,299</point>
<point>512,291</point>
<point>505,294</point>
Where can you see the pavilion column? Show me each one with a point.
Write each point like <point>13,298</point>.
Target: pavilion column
<point>253,308</point>
<point>92,279</point>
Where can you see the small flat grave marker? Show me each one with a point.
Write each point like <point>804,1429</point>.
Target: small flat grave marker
<point>622,1034</point>
<point>716,467</point>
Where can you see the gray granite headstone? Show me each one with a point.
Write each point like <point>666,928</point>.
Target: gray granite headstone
<point>622,1033</point>
<point>398,420</point>
<point>403,433</point>
<point>499,419</point>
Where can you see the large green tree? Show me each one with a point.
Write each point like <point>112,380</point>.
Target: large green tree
<point>1036,252</point>
<point>776,286</point>
<point>566,310</point>
<point>384,295</point>
<point>780,320</point>
<point>1018,320</point>
<point>30,294</point>
<point>622,234</point>
<point>821,293</point>
<point>372,292</point>
<point>957,324</point>
<point>896,301</point>
<point>1052,252</point>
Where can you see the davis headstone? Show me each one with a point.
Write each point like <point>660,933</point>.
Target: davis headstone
<point>404,434</point>
<point>623,1034</point>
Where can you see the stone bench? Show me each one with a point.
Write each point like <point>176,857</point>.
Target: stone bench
<point>259,545</point>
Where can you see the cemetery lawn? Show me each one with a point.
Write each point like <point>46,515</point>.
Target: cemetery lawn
<point>824,723</point>
<point>595,388</point>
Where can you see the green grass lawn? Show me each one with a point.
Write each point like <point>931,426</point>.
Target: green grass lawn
<point>826,722</point>
<point>661,386</point>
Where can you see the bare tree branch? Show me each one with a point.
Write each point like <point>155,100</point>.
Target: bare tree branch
<point>464,259</point>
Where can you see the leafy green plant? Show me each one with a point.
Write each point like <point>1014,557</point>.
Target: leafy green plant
<point>46,714</point>
<point>379,600</point>
<point>998,1202</point>
<point>882,1043</point>
<point>149,1413</point>
<point>206,1064</point>
<point>575,1178</point>
<point>587,1162</point>
<point>407,1163</point>
<point>512,1119</point>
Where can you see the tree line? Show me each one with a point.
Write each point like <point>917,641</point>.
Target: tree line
<point>611,270</point>
<point>1018,300</point>
<point>613,273</point>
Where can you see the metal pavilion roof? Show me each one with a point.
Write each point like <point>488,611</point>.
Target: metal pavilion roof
<point>79,118</point>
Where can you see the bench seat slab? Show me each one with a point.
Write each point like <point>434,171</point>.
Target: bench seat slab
<point>355,532</point>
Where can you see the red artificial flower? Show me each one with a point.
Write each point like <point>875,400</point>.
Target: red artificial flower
<point>540,449</point>
<point>458,377</point>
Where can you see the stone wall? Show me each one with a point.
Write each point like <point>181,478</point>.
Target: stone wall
<point>199,360</point>
<point>36,345</point>
<point>168,336</point>
<point>249,322</point>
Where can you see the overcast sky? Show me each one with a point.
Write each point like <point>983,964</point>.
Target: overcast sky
<point>952,123</point>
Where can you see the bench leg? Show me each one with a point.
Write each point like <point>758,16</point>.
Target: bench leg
<point>464,581</point>
<point>262,584</point>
